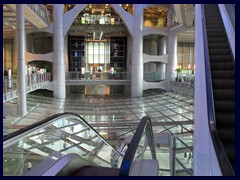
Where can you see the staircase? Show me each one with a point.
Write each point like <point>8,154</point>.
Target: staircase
<point>223,79</point>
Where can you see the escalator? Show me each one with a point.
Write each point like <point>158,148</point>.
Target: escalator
<point>66,145</point>
<point>222,68</point>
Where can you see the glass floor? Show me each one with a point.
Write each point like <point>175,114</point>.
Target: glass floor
<point>116,117</point>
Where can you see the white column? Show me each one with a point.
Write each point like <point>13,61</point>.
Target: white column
<point>21,49</point>
<point>162,45</point>
<point>172,58</point>
<point>59,88</point>
<point>137,60</point>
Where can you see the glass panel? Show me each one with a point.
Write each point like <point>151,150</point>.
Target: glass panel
<point>62,136</point>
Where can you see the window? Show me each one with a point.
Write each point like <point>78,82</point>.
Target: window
<point>98,53</point>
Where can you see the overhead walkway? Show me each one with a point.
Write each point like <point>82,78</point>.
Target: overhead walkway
<point>65,144</point>
<point>34,82</point>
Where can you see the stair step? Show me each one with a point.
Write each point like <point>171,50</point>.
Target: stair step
<point>214,25</point>
<point>217,39</point>
<point>216,33</point>
<point>216,30</point>
<point>226,134</point>
<point>218,45</point>
<point>221,58</point>
<point>221,106</point>
<point>224,94</point>
<point>228,74</point>
<point>222,66</point>
<point>219,52</point>
<point>225,118</point>
<point>212,22</point>
<point>223,83</point>
<point>212,12</point>
<point>213,19</point>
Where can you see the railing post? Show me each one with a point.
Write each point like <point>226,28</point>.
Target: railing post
<point>172,155</point>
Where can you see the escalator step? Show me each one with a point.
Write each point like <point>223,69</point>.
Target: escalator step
<point>220,58</point>
<point>222,66</point>
<point>217,39</point>
<point>228,74</point>
<point>212,12</point>
<point>224,94</point>
<point>216,33</point>
<point>218,30</point>
<point>212,30</point>
<point>213,19</point>
<point>211,23</point>
<point>226,134</point>
<point>218,45</point>
<point>225,118</point>
<point>214,25</point>
<point>219,52</point>
<point>221,106</point>
<point>223,83</point>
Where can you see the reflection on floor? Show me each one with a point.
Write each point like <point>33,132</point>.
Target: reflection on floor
<point>116,117</point>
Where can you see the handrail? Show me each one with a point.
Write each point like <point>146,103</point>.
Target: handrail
<point>224,163</point>
<point>131,151</point>
<point>31,128</point>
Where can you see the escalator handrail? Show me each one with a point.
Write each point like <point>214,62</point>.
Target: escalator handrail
<point>21,132</point>
<point>145,124</point>
<point>223,160</point>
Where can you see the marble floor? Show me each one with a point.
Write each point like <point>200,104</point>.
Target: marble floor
<point>116,117</point>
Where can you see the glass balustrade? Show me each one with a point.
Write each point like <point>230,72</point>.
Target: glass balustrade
<point>55,137</point>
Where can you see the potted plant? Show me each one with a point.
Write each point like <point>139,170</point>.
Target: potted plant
<point>178,71</point>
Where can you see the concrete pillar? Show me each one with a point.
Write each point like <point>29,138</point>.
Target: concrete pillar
<point>137,60</point>
<point>21,49</point>
<point>59,88</point>
<point>172,58</point>
<point>162,46</point>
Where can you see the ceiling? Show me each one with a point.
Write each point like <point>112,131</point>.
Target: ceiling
<point>9,21</point>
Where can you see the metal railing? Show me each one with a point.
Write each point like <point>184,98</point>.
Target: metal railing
<point>33,82</point>
<point>144,130</point>
<point>98,76</point>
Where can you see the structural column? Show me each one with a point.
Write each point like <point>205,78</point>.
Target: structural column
<point>162,46</point>
<point>137,59</point>
<point>59,88</point>
<point>172,59</point>
<point>21,49</point>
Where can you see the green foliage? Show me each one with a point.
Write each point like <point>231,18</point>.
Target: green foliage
<point>178,70</point>
<point>47,68</point>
